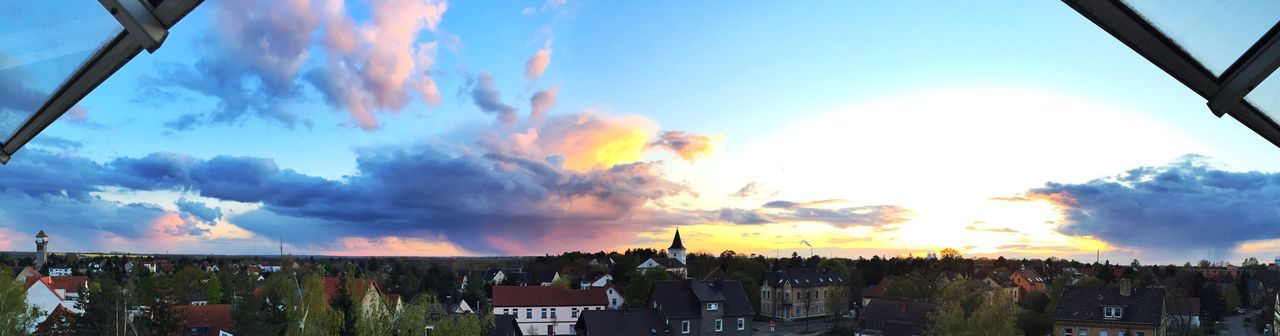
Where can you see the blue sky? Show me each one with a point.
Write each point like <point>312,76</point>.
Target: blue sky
<point>886,124</point>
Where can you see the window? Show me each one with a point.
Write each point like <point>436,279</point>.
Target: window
<point>528,313</point>
<point>684,327</point>
<point>712,306</point>
<point>544,313</point>
<point>1084,331</point>
<point>719,325</point>
<point>786,295</point>
<point>574,313</point>
<point>798,312</point>
<point>1066,331</point>
<point>1102,332</point>
<point>742,323</point>
<point>505,311</point>
<point>613,302</point>
<point>1112,312</point>
<point>553,312</point>
<point>1140,333</point>
<point>572,330</point>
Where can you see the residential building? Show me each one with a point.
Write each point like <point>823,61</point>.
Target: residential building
<point>1028,281</point>
<point>208,320</point>
<point>59,271</point>
<point>604,262</point>
<point>595,279</point>
<point>1110,311</point>
<point>673,263</point>
<point>40,295</point>
<point>624,322</point>
<point>1182,314</point>
<point>615,296</point>
<point>1002,283</point>
<point>703,307</point>
<point>800,293</point>
<point>494,276</point>
<point>547,310</point>
<point>69,288</point>
<point>885,317</point>
<point>544,278</point>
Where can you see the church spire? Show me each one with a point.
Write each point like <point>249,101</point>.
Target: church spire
<point>675,243</point>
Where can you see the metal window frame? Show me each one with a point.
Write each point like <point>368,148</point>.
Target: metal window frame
<point>145,23</point>
<point>1225,94</point>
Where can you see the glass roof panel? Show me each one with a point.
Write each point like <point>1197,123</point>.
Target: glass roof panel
<point>41,44</point>
<point>1266,97</point>
<point>1215,32</point>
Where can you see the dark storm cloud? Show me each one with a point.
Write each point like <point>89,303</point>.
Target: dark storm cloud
<point>1187,204</point>
<point>487,98</point>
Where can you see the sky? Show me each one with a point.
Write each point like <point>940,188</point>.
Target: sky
<point>525,128</point>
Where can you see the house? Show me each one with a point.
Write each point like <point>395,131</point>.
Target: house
<point>547,310</point>
<point>1182,314</point>
<point>800,293</point>
<point>494,276</point>
<point>56,324</point>
<point>1028,281</point>
<point>624,322</point>
<point>604,262</point>
<point>505,325</point>
<point>673,263</point>
<point>40,295</point>
<point>1256,290</point>
<point>60,271</point>
<point>884,317</point>
<point>69,289</point>
<point>459,307</point>
<point>460,281</point>
<point>208,320</point>
<point>615,296</point>
<point>27,272</point>
<point>1110,311</point>
<point>272,267</point>
<point>703,307</point>
<point>595,279</point>
<point>1002,283</point>
<point>543,278</point>
<point>877,291</point>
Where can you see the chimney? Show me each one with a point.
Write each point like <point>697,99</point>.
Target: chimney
<point>1125,287</point>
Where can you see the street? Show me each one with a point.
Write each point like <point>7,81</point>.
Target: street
<point>1235,327</point>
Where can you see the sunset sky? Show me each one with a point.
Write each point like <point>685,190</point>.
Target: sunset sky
<point>394,127</point>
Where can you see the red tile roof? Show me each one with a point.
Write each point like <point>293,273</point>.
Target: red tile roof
<point>69,284</point>
<point>530,296</point>
<point>332,287</point>
<point>216,317</point>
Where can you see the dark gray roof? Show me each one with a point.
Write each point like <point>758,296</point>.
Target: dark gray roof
<point>668,262</point>
<point>543,276</point>
<point>676,243</point>
<point>490,273</point>
<point>42,235</point>
<point>624,322</point>
<point>685,298</point>
<point>897,317</point>
<point>803,277</point>
<point>1143,306</point>
<point>505,325</point>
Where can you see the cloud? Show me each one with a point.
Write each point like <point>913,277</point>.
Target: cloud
<point>578,142</point>
<point>489,100</point>
<point>17,100</point>
<point>199,210</point>
<point>1187,204</point>
<point>536,65</point>
<point>995,230</point>
<point>253,64</point>
<point>687,145</point>
<point>546,6</point>
<point>818,211</point>
<point>374,66</point>
<point>541,103</point>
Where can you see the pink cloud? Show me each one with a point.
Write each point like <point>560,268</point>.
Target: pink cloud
<point>77,114</point>
<point>537,64</point>
<point>541,103</point>
<point>394,246</point>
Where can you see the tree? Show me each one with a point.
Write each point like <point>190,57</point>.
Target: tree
<point>213,290</point>
<point>16,317</point>
<point>562,282</point>
<point>964,311</point>
<point>1205,263</point>
<point>308,311</point>
<point>950,253</point>
<point>1251,262</point>
<point>1230,299</point>
<point>641,286</point>
<point>921,285</point>
<point>1135,264</point>
<point>163,317</point>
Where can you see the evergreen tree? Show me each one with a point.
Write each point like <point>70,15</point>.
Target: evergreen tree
<point>162,317</point>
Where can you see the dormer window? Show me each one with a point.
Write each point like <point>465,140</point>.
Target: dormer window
<point>1112,313</point>
<point>712,306</point>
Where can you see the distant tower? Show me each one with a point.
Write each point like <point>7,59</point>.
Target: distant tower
<point>677,248</point>
<point>42,249</point>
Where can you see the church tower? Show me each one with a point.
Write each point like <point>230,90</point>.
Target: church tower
<point>677,249</point>
<point>42,249</point>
